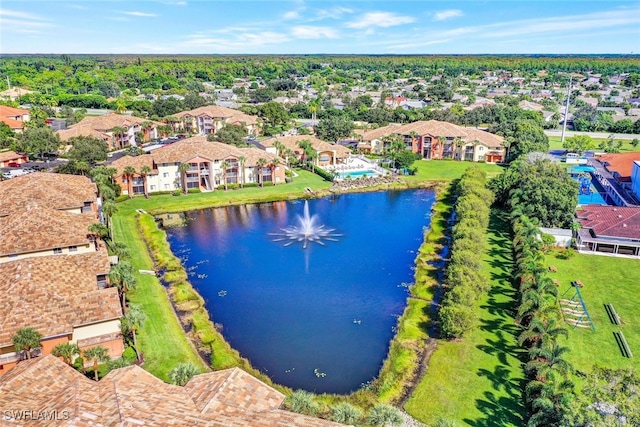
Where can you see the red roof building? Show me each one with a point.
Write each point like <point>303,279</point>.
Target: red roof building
<point>609,229</point>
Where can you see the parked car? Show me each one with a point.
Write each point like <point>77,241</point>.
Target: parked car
<point>13,164</point>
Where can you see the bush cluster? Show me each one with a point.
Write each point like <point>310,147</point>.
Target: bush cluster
<point>463,281</point>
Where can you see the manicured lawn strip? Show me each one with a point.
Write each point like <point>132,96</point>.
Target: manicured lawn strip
<point>447,170</point>
<point>556,144</point>
<point>478,380</point>
<point>161,338</point>
<point>607,280</point>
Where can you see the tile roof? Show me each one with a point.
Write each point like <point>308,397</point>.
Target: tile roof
<point>7,156</point>
<point>131,396</point>
<point>436,128</point>
<point>136,161</point>
<point>6,111</point>
<point>111,120</point>
<point>611,221</point>
<point>81,130</point>
<point>229,115</point>
<point>52,190</point>
<point>54,293</point>
<point>198,146</point>
<point>291,142</point>
<point>33,228</point>
<point>12,123</point>
<point>620,162</point>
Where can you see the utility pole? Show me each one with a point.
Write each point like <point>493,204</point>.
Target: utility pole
<point>8,83</point>
<point>566,111</point>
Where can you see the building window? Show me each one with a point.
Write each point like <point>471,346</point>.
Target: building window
<point>153,187</point>
<point>481,148</point>
<point>73,249</point>
<point>166,186</point>
<point>57,250</point>
<point>165,164</point>
<point>165,174</point>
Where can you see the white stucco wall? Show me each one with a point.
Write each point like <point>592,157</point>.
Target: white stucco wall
<point>95,330</point>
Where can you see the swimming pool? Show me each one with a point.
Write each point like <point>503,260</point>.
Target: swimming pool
<point>357,174</point>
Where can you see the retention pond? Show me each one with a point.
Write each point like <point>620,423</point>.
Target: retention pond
<point>319,317</point>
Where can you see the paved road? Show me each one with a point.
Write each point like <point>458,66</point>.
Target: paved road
<point>626,136</point>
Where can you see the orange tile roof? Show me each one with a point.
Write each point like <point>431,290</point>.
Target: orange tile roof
<point>34,228</point>
<point>55,293</point>
<point>12,123</point>
<point>6,111</point>
<point>620,162</point>
<point>131,396</point>
<point>81,130</point>
<point>111,120</point>
<point>52,190</point>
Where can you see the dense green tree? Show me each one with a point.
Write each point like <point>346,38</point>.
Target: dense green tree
<point>334,128</point>
<point>87,149</point>
<point>37,142</point>
<point>7,136</point>
<point>579,143</point>
<point>230,134</point>
<point>265,94</point>
<point>68,351</point>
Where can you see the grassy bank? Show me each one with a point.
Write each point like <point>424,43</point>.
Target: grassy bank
<point>478,380</point>
<point>555,143</point>
<point>607,280</point>
<point>447,170</point>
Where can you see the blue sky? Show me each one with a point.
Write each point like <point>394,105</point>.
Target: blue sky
<point>309,27</point>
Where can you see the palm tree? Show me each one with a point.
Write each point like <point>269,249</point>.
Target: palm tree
<point>121,276</point>
<point>128,172</point>
<point>97,230</point>
<point>223,167</point>
<point>146,125</point>
<point>242,160</point>
<point>109,208</point>
<point>547,360</point>
<point>133,320</point>
<point>541,332</point>
<point>144,171</point>
<point>314,106</point>
<point>182,373</point>
<point>260,164</point>
<point>118,131</point>
<point>98,355</point>
<point>273,165</point>
<point>183,168</point>
<point>26,339</point>
<point>120,249</point>
<point>459,143</point>
<point>67,351</point>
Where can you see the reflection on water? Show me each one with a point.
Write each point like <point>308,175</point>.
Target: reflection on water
<point>318,318</point>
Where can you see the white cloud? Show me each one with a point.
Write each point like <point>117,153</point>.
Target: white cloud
<point>291,15</point>
<point>313,32</point>
<point>333,13</point>
<point>175,3</point>
<point>239,41</point>
<point>380,19</point>
<point>22,21</point>
<point>446,14</point>
<point>143,14</point>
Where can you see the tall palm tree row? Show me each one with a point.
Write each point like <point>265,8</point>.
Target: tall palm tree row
<point>549,389</point>
<point>183,168</point>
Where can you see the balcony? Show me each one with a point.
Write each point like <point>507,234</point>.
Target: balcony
<point>204,171</point>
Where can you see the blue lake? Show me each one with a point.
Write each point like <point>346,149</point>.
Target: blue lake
<point>319,318</point>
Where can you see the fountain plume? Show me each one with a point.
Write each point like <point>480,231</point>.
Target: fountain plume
<point>306,231</point>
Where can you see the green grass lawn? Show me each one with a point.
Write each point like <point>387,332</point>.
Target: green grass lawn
<point>446,170</point>
<point>161,338</point>
<point>478,380</point>
<point>556,144</point>
<point>607,280</point>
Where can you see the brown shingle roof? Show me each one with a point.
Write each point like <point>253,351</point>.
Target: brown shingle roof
<point>611,221</point>
<point>34,228</point>
<point>54,293</point>
<point>109,121</point>
<point>52,190</point>
<point>132,396</point>
<point>81,130</point>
